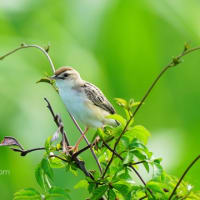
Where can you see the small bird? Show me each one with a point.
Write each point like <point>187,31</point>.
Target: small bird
<point>83,100</point>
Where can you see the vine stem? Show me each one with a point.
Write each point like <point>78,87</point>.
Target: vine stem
<point>184,174</point>
<point>175,61</point>
<point>45,52</point>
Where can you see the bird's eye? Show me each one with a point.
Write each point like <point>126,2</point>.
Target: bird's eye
<point>65,75</point>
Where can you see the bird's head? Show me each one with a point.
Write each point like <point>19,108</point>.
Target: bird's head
<point>66,77</point>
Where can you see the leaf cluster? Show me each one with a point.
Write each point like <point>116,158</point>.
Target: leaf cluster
<point>120,181</point>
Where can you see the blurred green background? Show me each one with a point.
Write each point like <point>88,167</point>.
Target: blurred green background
<point>118,45</point>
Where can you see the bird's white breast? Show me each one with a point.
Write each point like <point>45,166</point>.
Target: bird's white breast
<point>77,104</point>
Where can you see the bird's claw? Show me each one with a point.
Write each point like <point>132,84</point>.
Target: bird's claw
<point>72,149</point>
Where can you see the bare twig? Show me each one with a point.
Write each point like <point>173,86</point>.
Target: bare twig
<point>82,150</point>
<point>88,143</point>
<point>175,61</point>
<point>144,197</point>
<point>45,51</point>
<point>25,152</point>
<point>23,46</point>
<point>182,177</point>
<point>58,121</point>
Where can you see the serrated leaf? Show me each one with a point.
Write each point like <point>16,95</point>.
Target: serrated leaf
<point>99,192</point>
<point>47,168</point>
<point>139,132</point>
<point>128,158</point>
<point>27,193</point>
<point>139,155</point>
<point>81,184</point>
<point>121,188</point>
<point>111,194</point>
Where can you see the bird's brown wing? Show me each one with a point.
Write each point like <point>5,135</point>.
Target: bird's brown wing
<point>97,97</point>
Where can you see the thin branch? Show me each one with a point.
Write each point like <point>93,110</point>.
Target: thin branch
<point>58,121</point>
<point>144,197</point>
<point>88,143</point>
<point>182,177</point>
<point>25,152</point>
<point>80,164</point>
<point>173,63</point>
<point>23,46</point>
<point>45,51</point>
<point>82,150</point>
<point>55,156</point>
<point>109,148</point>
<point>119,156</point>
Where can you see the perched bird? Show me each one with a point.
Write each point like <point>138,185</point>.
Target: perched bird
<point>83,100</point>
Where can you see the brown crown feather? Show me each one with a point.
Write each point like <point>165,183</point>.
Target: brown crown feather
<point>62,69</point>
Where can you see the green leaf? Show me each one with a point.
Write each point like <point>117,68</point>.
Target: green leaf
<point>58,192</point>
<point>128,158</point>
<point>39,175</point>
<point>47,168</point>
<point>125,141</point>
<point>139,132</point>
<point>99,192</point>
<point>123,189</point>
<point>49,81</point>
<point>121,102</point>
<point>81,184</point>
<point>48,144</point>
<point>45,80</point>
<point>146,166</point>
<point>111,194</point>
<point>56,163</point>
<point>91,187</point>
<point>119,118</point>
<point>157,170</point>
<point>100,133</point>
<point>27,193</point>
<point>139,154</point>
<point>155,187</point>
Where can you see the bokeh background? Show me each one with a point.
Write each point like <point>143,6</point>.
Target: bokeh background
<point>118,45</point>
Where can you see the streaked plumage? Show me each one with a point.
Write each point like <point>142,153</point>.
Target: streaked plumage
<point>83,100</point>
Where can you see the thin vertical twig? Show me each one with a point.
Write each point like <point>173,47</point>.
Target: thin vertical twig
<point>175,61</point>
<point>182,177</point>
<point>45,52</point>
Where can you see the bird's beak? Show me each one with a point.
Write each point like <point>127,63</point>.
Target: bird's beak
<point>53,77</point>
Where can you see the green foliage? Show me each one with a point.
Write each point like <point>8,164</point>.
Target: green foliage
<point>119,181</point>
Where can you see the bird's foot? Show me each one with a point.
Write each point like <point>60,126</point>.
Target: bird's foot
<point>72,149</point>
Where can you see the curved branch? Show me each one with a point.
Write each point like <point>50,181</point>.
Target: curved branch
<point>23,46</point>
<point>53,70</point>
